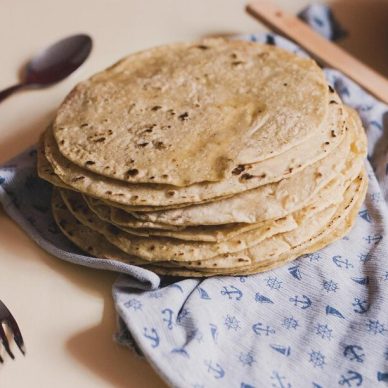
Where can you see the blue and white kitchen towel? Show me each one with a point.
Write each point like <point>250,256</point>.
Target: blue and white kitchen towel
<point>321,321</point>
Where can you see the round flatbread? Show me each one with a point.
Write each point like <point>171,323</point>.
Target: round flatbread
<point>190,112</point>
<point>166,249</point>
<point>338,226</point>
<point>273,200</point>
<point>95,243</point>
<point>141,197</point>
<point>330,194</point>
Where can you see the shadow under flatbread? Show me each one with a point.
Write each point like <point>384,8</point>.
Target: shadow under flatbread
<point>366,22</point>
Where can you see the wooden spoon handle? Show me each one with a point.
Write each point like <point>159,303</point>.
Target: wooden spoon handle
<point>322,49</point>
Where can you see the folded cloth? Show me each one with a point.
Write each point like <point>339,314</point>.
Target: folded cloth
<point>320,321</point>
<point>27,199</point>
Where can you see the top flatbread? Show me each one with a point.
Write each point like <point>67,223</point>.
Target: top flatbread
<point>187,113</point>
<point>147,197</point>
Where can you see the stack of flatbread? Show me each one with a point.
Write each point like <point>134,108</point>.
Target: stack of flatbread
<point>206,158</point>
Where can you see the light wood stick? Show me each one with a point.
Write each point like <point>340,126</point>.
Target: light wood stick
<point>322,49</point>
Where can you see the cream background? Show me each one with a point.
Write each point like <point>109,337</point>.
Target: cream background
<point>66,312</point>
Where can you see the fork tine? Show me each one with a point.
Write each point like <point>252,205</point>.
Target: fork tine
<point>4,339</point>
<point>9,319</point>
<point>17,335</point>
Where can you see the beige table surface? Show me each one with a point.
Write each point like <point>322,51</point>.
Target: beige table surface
<point>65,311</point>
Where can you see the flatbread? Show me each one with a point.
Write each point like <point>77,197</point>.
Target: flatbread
<point>209,158</point>
<point>234,252</point>
<point>308,227</point>
<point>44,168</point>
<point>198,112</point>
<point>141,197</point>
<point>337,228</point>
<point>84,237</point>
<point>95,243</point>
<point>166,249</point>
<point>273,200</point>
<point>103,211</point>
<point>330,194</point>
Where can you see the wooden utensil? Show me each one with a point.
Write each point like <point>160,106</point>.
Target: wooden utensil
<point>322,49</point>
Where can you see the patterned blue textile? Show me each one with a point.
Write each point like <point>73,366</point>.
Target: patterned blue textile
<point>320,321</point>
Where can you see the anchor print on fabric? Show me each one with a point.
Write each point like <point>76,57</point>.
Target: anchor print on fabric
<point>232,292</point>
<point>168,318</point>
<point>313,257</point>
<point>340,262</point>
<point>152,335</point>
<point>373,239</point>
<point>215,369</point>
<point>351,379</point>
<point>259,329</point>
<point>364,257</point>
<point>279,381</point>
<point>354,353</point>
<point>304,302</point>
